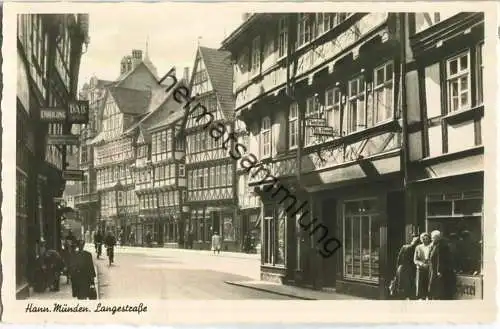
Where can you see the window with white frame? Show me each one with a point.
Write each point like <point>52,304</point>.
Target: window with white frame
<point>458,80</point>
<point>282,36</point>
<point>265,137</point>
<point>356,105</point>
<point>255,55</point>
<point>361,235</point>
<point>304,31</point>
<point>312,111</point>
<point>383,94</point>
<point>333,102</point>
<point>182,170</point>
<point>293,125</point>
<point>480,74</point>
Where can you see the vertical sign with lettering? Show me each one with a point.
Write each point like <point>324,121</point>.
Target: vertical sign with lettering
<point>78,112</point>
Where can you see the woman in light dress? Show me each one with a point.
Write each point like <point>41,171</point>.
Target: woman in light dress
<point>421,259</point>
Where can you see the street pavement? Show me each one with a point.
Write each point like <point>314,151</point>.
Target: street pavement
<point>162,273</point>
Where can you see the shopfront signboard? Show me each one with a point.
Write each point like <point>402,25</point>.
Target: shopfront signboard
<point>324,131</point>
<point>62,140</point>
<point>78,112</point>
<point>53,114</point>
<point>73,175</point>
<point>315,122</point>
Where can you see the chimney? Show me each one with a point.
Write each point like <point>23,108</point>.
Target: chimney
<point>186,74</point>
<point>137,54</point>
<point>245,17</point>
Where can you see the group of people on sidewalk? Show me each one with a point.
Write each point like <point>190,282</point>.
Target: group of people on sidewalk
<point>425,269</point>
<point>71,261</point>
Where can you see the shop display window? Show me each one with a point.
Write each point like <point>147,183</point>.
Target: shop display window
<point>361,240</point>
<point>458,216</point>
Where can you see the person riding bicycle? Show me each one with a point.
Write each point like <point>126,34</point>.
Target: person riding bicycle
<point>110,242</point>
<point>98,243</point>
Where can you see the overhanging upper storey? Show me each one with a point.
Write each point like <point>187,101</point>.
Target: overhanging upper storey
<point>272,50</point>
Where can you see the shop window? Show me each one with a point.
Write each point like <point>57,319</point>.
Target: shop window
<point>228,228</point>
<point>460,223</point>
<point>274,235</point>
<point>362,240</point>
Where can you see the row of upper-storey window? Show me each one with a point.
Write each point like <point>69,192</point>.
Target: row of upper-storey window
<point>166,172</point>
<point>163,141</point>
<point>113,152</point>
<point>369,102</point>
<point>216,176</point>
<point>127,198</point>
<point>107,176</point>
<point>34,39</point>
<point>202,141</point>
<point>309,26</point>
<point>162,199</point>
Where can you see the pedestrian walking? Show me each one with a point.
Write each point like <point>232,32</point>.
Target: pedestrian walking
<point>216,243</point>
<point>421,260</point>
<point>442,276</point>
<point>98,240</point>
<point>82,273</point>
<point>405,279</point>
<point>110,242</point>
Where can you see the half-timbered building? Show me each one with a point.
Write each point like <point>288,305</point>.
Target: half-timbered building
<point>445,99</point>
<point>126,101</point>
<point>210,170</point>
<point>49,51</point>
<point>324,118</point>
<point>357,148</point>
<point>87,201</point>
<point>159,172</point>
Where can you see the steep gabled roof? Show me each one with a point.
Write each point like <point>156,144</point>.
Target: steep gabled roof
<point>175,116</point>
<point>118,82</point>
<point>159,98</point>
<point>220,72</point>
<point>131,101</point>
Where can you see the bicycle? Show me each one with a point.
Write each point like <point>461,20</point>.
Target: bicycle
<point>98,249</point>
<point>111,254</point>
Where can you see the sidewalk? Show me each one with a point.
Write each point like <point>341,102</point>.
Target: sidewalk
<point>63,293</point>
<point>292,291</point>
<point>64,287</point>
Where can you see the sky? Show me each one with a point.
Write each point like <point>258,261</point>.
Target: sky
<point>172,35</point>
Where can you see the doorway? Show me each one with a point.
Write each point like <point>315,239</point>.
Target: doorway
<point>329,219</point>
<point>395,229</point>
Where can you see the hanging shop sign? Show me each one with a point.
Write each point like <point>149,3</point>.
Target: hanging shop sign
<point>62,140</point>
<point>72,175</point>
<point>53,114</point>
<point>324,131</point>
<point>78,112</point>
<point>315,122</point>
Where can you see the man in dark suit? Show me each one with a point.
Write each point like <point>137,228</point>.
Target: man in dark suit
<point>441,282</point>
<point>82,272</point>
